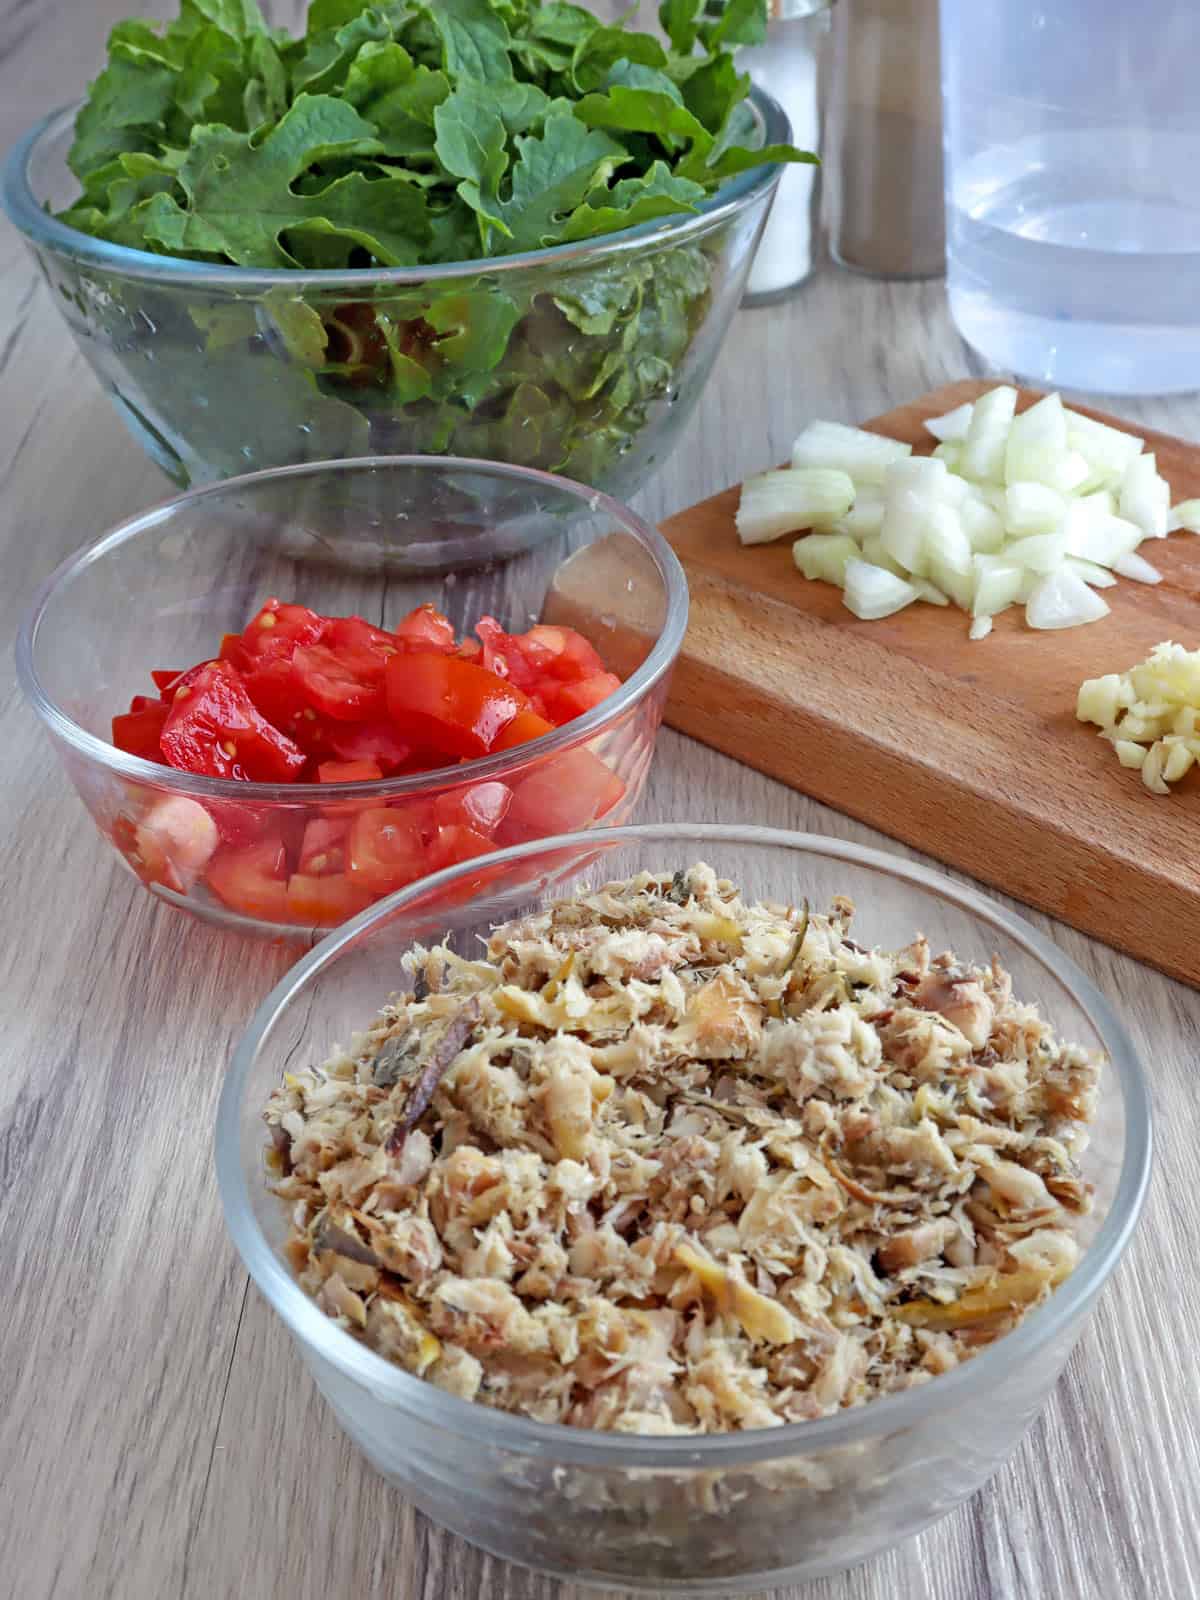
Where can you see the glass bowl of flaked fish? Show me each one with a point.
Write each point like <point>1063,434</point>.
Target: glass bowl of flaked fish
<point>684,1208</point>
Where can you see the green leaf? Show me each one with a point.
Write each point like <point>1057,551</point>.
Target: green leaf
<point>713,91</point>
<point>388,88</point>
<point>475,40</point>
<point>326,60</point>
<point>475,327</point>
<point>635,75</point>
<point>658,194</point>
<point>240,195</point>
<point>597,54</point>
<point>127,105</point>
<point>679,21</point>
<point>265,98</point>
<point>651,112</point>
<point>472,145</point>
<point>552,174</point>
<point>729,164</point>
<point>240,19</point>
<point>740,22</point>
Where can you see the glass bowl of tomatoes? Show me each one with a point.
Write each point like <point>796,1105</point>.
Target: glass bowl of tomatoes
<point>285,696</point>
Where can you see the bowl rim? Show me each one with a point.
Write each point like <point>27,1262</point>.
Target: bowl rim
<point>44,229</point>
<point>391,1385</point>
<point>657,663</point>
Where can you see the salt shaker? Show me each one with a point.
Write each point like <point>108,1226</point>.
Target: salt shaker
<point>787,66</point>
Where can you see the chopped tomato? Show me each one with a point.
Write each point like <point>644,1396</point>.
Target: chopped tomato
<point>348,772</point>
<point>560,795</point>
<point>323,848</point>
<point>524,726</point>
<point>214,728</point>
<point>362,643</point>
<point>450,704</point>
<point>567,700</point>
<point>327,899</point>
<point>456,843</point>
<point>482,807</point>
<point>138,731</point>
<point>165,676</point>
<point>507,656</point>
<point>252,879</point>
<point>385,850</point>
<point>336,686</point>
<point>426,629</point>
<point>278,629</point>
<point>568,654</point>
<point>272,688</point>
<point>370,741</point>
<point>237,823</point>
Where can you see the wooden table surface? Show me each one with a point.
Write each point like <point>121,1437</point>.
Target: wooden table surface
<point>159,1437</point>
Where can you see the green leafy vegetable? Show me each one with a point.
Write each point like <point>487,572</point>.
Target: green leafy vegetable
<point>412,133</point>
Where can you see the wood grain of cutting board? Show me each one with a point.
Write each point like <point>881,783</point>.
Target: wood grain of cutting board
<point>969,751</point>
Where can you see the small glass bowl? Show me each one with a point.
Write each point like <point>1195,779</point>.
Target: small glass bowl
<point>584,359</point>
<point>708,1515</point>
<point>373,538</point>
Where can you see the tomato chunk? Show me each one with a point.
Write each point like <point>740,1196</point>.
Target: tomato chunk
<point>336,686</point>
<point>426,629</point>
<point>452,705</point>
<point>138,732</point>
<point>348,772</point>
<point>252,879</point>
<point>482,807</point>
<point>456,843</point>
<point>385,850</point>
<point>568,654</point>
<point>215,728</point>
<point>323,848</point>
<point>524,726</point>
<point>326,900</point>
<point>567,700</point>
<point>560,795</point>
<point>277,629</point>
<point>165,676</point>
<point>370,741</point>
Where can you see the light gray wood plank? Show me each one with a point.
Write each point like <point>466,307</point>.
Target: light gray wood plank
<point>158,1434</point>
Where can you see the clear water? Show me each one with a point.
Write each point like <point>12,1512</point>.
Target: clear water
<point>1072,268</point>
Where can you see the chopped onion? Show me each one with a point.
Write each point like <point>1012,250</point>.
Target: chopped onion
<point>785,501</point>
<point>1145,497</point>
<point>1038,509</point>
<point>1042,552</point>
<point>824,555</point>
<point>872,593</point>
<point>1096,576</point>
<point>980,628</point>
<point>951,428</point>
<point>1133,566</point>
<point>998,583</point>
<point>986,439</point>
<point>864,456</point>
<point>1063,600</point>
<point>1031,507</point>
<point>1186,516</point>
<point>1037,441</point>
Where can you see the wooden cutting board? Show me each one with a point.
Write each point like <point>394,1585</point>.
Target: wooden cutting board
<point>969,751</point>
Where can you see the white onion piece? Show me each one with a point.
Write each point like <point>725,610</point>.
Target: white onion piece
<point>1037,441</point>
<point>1133,566</point>
<point>872,592</point>
<point>1145,497</point>
<point>824,556</point>
<point>785,501</point>
<point>1107,451</point>
<point>1095,576</point>
<point>981,523</point>
<point>1063,600</point>
<point>987,437</point>
<point>998,584</point>
<point>929,593</point>
<point>865,517</point>
<point>1042,552</point>
<point>980,628</point>
<point>864,456</point>
<point>1031,507</point>
<point>946,543</point>
<point>1185,516</point>
<point>1103,541</point>
<point>951,428</point>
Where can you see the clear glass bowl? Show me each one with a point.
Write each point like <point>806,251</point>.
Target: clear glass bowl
<point>585,359</point>
<point>374,538</point>
<point>717,1514</point>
